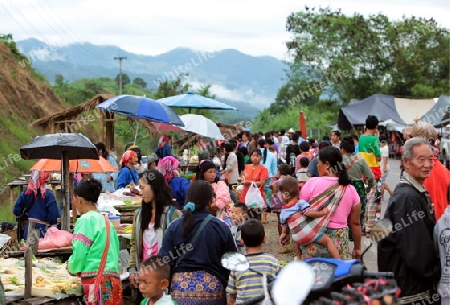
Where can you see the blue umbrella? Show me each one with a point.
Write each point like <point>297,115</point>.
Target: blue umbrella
<point>141,107</point>
<point>193,100</point>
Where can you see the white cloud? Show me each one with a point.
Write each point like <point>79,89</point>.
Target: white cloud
<point>45,55</point>
<point>241,94</point>
<point>251,26</point>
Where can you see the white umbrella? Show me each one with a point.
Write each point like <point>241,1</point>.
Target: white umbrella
<point>201,125</point>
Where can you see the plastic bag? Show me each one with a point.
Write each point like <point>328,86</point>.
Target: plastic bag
<point>55,238</point>
<point>253,198</point>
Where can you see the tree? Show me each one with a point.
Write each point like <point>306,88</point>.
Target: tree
<point>8,40</point>
<point>358,56</point>
<point>125,80</point>
<point>59,80</point>
<point>140,83</point>
<point>204,91</point>
<point>171,88</point>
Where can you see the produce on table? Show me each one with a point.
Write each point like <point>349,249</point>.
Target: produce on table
<point>50,278</point>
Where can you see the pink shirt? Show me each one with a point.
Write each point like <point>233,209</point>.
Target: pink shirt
<point>316,186</point>
<point>222,194</point>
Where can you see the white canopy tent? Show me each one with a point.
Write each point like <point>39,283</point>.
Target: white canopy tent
<point>412,109</point>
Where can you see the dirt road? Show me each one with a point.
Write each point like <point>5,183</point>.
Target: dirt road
<point>370,260</point>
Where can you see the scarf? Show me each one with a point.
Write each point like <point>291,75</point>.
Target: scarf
<point>163,140</point>
<point>167,166</point>
<point>37,181</point>
<point>127,156</point>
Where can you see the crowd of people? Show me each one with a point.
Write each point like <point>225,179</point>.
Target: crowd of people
<point>184,227</point>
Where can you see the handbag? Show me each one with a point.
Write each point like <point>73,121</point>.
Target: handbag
<point>93,286</point>
<point>305,230</point>
<point>253,198</point>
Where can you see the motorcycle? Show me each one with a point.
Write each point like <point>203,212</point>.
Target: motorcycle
<point>323,280</point>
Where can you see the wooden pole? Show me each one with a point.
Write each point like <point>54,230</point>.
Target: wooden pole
<point>109,131</point>
<point>11,197</point>
<point>31,248</point>
<point>101,127</point>
<point>52,126</point>
<point>28,273</point>
<point>65,217</point>
<point>74,210</point>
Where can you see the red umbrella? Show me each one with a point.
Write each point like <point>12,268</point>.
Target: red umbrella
<point>302,124</point>
<point>166,127</point>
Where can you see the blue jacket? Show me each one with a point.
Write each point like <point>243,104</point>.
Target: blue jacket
<point>45,210</point>
<point>126,176</point>
<point>163,152</point>
<point>179,187</point>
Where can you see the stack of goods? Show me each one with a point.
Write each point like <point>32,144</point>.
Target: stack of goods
<point>127,210</point>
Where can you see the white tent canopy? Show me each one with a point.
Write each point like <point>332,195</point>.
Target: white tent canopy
<point>412,109</point>
<point>393,126</point>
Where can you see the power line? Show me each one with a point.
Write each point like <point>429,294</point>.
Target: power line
<point>80,49</point>
<point>42,35</point>
<point>93,52</point>
<point>12,16</point>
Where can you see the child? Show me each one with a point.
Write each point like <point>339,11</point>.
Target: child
<point>302,173</point>
<point>153,280</point>
<point>276,201</point>
<point>272,150</point>
<point>442,242</point>
<point>238,215</point>
<point>384,166</point>
<point>289,189</point>
<point>248,284</point>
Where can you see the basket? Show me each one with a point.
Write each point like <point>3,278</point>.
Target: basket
<point>237,190</point>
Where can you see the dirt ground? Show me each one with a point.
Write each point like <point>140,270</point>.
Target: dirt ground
<point>271,246</point>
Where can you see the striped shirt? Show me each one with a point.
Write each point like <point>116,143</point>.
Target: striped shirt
<point>248,284</point>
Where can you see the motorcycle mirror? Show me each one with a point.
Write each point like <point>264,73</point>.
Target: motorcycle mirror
<point>235,261</point>
<point>293,283</point>
<point>381,230</point>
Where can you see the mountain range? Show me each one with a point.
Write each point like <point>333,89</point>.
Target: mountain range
<point>233,76</point>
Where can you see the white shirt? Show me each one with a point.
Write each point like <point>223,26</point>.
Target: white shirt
<point>384,153</point>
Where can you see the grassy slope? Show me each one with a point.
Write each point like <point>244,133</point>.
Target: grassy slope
<point>24,97</point>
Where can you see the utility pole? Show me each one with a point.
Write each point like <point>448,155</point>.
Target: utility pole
<point>120,58</point>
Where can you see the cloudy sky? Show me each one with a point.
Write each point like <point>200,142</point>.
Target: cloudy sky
<point>253,27</point>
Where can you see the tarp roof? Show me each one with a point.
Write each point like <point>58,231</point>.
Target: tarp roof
<point>438,113</point>
<point>381,105</point>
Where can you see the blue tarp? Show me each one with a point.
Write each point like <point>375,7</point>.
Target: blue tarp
<point>438,113</point>
<point>380,105</point>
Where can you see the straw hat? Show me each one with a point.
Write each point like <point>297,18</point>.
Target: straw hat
<point>423,129</point>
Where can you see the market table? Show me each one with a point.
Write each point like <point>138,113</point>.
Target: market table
<point>64,252</point>
<point>190,167</point>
